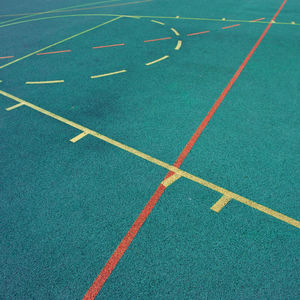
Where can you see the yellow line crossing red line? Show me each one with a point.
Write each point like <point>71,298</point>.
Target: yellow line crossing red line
<point>179,173</point>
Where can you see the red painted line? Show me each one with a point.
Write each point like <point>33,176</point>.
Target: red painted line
<point>231,26</point>
<point>45,53</point>
<point>202,32</point>
<point>257,20</point>
<point>108,46</point>
<point>3,57</point>
<point>121,249</point>
<point>166,38</point>
<point>208,117</point>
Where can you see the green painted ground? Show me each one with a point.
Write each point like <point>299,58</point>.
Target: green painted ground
<point>65,207</point>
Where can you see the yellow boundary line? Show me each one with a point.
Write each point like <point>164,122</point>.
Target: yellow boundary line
<point>157,60</point>
<point>160,163</point>
<point>292,23</point>
<point>57,43</point>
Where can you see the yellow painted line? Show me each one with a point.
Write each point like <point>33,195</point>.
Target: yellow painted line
<point>61,16</point>
<point>268,211</point>
<point>128,16</point>
<point>57,43</point>
<point>168,181</point>
<point>132,16</point>
<point>178,46</point>
<point>175,31</point>
<point>14,106</point>
<point>108,74</point>
<point>158,22</point>
<point>241,199</point>
<point>217,207</point>
<point>155,61</point>
<point>78,137</point>
<point>160,163</point>
<point>30,14</point>
<point>44,82</point>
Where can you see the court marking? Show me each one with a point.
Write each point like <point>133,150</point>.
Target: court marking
<point>175,31</point>
<point>54,52</point>
<point>178,46</point>
<point>231,26</point>
<point>258,20</point>
<point>126,241</point>
<point>214,108</point>
<point>171,168</point>
<point>179,43</point>
<point>108,74</point>
<point>196,33</point>
<point>107,46</point>
<point>27,15</point>
<point>161,39</point>
<point>4,57</point>
<point>154,21</point>
<point>170,180</point>
<point>89,8</point>
<point>247,204</point>
<point>158,17</point>
<point>157,60</point>
<point>218,206</point>
<point>105,6</point>
<point>50,11</point>
<point>59,42</point>
<point>14,106</point>
<point>44,82</point>
<point>78,137</point>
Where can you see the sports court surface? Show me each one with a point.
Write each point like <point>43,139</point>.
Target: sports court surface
<point>150,149</point>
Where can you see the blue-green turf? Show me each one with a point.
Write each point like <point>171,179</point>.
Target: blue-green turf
<point>65,207</point>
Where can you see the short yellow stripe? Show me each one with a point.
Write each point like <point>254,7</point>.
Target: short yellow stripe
<point>217,207</point>
<point>155,61</point>
<point>175,31</point>
<point>158,22</point>
<point>15,106</point>
<point>108,74</point>
<point>44,82</point>
<point>178,46</point>
<point>78,137</point>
